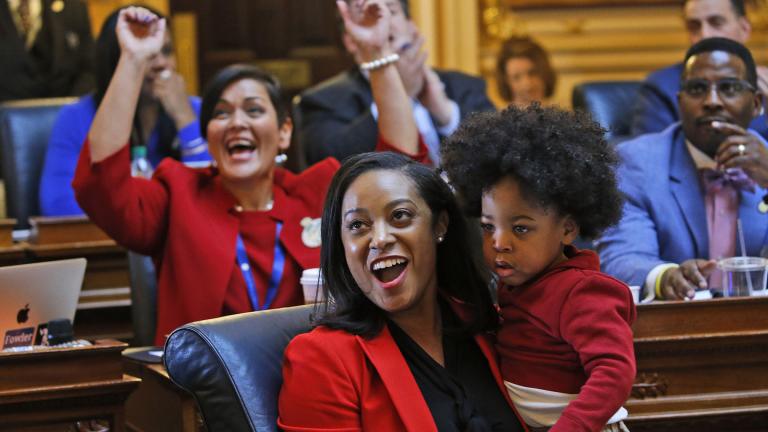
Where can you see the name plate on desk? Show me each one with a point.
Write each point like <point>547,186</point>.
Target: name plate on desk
<point>55,230</point>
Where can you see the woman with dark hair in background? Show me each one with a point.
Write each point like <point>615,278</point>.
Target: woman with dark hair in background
<point>234,237</point>
<point>524,73</point>
<point>405,344</point>
<point>165,121</point>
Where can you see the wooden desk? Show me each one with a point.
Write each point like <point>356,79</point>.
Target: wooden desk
<point>64,385</point>
<point>158,405</point>
<point>701,366</point>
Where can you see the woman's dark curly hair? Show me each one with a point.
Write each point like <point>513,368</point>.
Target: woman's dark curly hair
<point>559,158</point>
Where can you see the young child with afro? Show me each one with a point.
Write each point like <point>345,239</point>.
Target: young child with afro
<point>538,178</point>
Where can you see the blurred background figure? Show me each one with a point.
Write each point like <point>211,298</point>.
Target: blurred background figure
<point>339,117</point>
<point>45,49</point>
<point>524,73</point>
<point>657,104</point>
<point>165,123</point>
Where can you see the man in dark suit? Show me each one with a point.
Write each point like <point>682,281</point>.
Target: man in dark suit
<point>338,116</point>
<point>45,49</point>
<point>656,106</point>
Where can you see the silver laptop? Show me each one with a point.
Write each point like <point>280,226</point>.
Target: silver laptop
<point>33,294</point>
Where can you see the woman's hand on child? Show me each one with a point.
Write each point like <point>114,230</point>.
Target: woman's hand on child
<point>140,33</point>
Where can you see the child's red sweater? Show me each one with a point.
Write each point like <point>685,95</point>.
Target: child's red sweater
<point>569,331</point>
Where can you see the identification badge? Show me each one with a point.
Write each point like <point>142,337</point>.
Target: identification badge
<point>310,236</point>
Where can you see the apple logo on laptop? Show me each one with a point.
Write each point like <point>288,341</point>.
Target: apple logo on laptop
<point>23,314</point>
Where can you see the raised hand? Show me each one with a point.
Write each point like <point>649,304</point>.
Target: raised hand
<point>367,23</point>
<point>140,33</point>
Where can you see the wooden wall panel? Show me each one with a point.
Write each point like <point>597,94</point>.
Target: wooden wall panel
<point>596,43</point>
<point>297,40</point>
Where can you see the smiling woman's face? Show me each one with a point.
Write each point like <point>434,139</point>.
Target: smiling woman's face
<point>390,241</point>
<point>244,135</point>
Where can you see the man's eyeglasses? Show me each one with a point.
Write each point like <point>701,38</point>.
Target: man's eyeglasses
<point>726,88</point>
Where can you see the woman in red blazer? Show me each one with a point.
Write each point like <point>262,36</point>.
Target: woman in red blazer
<point>230,238</point>
<point>405,344</point>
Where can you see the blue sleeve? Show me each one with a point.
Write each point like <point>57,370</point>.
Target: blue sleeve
<point>69,131</point>
<point>630,250</point>
<point>192,145</point>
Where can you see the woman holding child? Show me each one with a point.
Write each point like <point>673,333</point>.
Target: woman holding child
<point>230,238</point>
<point>398,347</point>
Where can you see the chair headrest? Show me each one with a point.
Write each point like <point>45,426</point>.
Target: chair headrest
<point>25,127</point>
<point>233,365</point>
<point>609,102</point>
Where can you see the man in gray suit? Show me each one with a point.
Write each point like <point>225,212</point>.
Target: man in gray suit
<point>687,186</point>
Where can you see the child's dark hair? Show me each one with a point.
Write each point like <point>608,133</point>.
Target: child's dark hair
<point>560,159</point>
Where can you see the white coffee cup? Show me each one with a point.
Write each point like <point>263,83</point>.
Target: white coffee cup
<point>635,293</point>
<point>312,285</point>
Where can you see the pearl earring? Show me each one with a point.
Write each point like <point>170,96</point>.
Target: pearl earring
<point>439,239</point>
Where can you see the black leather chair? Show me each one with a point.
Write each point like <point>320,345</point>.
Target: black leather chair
<point>143,298</point>
<point>233,365</point>
<point>610,103</point>
<point>25,127</point>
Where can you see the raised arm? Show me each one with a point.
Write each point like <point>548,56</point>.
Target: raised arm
<point>370,29</point>
<point>140,34</point>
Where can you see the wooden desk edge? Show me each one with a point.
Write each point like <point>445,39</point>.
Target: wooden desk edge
<point>99,346</point>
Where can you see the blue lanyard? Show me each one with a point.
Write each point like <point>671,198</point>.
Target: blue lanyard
<point>277,271</point>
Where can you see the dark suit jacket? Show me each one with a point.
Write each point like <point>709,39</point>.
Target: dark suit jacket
<point>335,116</point>
<point>59,61</point>
<point>656,106</point>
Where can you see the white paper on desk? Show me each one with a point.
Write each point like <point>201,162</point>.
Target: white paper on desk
<point>702,295</point>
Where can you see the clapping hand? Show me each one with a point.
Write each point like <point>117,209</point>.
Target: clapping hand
<point>140,33</point>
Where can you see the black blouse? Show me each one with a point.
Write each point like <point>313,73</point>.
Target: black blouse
<point>463,395</point>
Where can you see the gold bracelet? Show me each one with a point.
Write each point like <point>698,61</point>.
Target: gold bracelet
<point>380,62</point>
